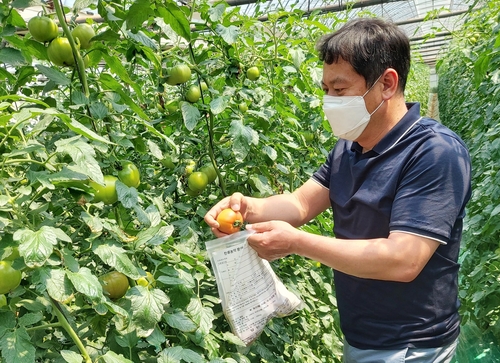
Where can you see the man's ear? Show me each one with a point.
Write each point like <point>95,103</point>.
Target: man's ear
<point>390,80</point>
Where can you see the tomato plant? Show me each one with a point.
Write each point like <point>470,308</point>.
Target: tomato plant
<point>84,32</point>
<point>43,28</point>
<point>10,278</point>
<point>114,284</point>
<point>106,192</point>
<point>230,221</point>
<point>65,126</point>
<point>60,53</point>
<point>129,174</point>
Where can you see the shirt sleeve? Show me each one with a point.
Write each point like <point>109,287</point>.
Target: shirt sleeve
<point>433,189</point>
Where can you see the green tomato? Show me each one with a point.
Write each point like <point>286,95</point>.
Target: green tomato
<point>209,170</point>
<point>105,193</point>
<point>253,73</point>
<point>189,167</point>
<point>192,193</point>
<point>10,278</point>
<point>197,181</point>
<point>114,284</point>
<point>308,136</point>
<point>60,53</point>
<point>84,32</point>
<point>193,94</point>
<point>42,28</point>
<point>243,107</point>
<point>129,175</point>
<point>203,86</point>
<point>3,300</point>
<point>181,73</point>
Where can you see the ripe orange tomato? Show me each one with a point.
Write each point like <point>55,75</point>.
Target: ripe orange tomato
<point>229,221</point>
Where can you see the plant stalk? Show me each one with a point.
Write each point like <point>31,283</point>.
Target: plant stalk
<point>66,326</point>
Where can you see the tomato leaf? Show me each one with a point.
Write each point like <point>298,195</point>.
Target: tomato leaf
<point>54,75</point>
<point>117,258</point>
<point>138,13</point>
<point>180,321</point>
<point>147,307</point>
<point>83,155</point>
<point>229,34</point>
<point>37,246</point>
<point>12,56</point>
<point>76,126</point>
<point>178,354</point>
<point>243,138</point>
<point>17,347</point>
<point>70,356</point>
<point>110,83</point>
<point>201,315</point>
<point>154,236</point>
<point>112,357</point>
<point>173,16</point>
<point>115,66</point>
<point>190,115</point>
<point>86,283</point>
<point>217,12</point>
<point>218,105</point>
<point>58,285</point>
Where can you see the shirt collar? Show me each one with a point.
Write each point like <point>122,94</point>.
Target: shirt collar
<point>398,131</point>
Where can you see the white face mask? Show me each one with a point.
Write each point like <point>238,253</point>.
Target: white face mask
<point>347,115</point>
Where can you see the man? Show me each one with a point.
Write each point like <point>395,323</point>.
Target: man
<point>398,184</point>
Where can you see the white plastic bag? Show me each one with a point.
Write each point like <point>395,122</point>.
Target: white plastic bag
<point>251,293</point>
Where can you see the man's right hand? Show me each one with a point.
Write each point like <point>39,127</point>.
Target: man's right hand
<point>237,202</point>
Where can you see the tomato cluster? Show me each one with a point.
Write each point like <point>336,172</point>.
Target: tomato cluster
<point>59,51</point>
<point>197,181</point>
<point>128,174</point>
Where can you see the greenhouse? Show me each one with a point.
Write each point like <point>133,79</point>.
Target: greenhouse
<point>243,181</point>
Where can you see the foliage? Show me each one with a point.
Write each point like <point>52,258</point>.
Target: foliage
<point>469,98</point>
<point>63,129</point>
<point>418,85</point>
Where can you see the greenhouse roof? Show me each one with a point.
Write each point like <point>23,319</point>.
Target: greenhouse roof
<point>428,23</point>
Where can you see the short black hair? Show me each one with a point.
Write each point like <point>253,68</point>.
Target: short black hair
<point>370,45</point>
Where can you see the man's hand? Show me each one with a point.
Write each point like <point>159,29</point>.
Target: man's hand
<point>273,239</point>
<point>236,202</point>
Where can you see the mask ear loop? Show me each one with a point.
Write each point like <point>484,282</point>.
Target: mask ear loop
<point>373,85</point>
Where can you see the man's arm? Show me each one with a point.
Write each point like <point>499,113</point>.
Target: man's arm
<point>296,208</point>
<point>400,257</point>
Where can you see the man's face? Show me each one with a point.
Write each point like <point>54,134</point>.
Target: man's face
<point>340,79</point>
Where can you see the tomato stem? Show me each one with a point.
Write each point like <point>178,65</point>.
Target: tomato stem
<point>66,326</point>
<point>76,52</point>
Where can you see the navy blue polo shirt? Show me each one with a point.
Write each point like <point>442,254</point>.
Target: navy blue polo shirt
<point>415,180</point>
